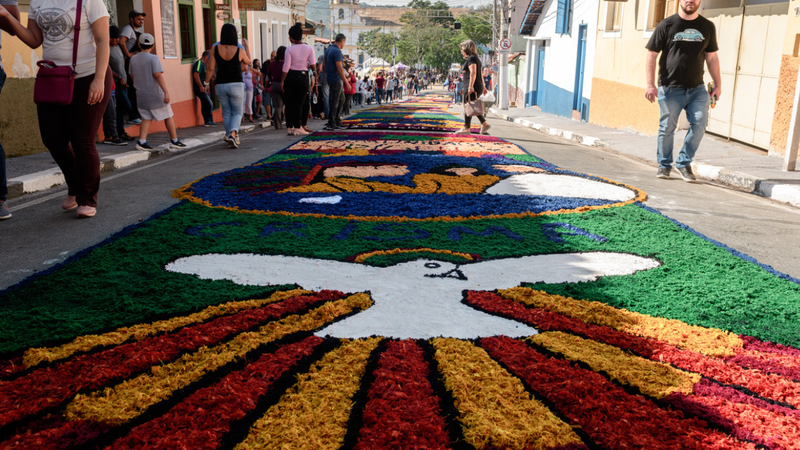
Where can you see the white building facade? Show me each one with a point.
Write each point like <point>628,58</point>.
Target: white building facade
<point>345,20</point>
<point>560,55</point>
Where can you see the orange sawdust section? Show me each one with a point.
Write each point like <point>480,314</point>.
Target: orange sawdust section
<point>425,184</point>
<point>651,378</point>
<point>362,148</point>
<point>364,256</point>
<point>494,407</point>
<point>313,414</point>
<point>36,356</point>
<point>707,341</point>
<point>131,398</point>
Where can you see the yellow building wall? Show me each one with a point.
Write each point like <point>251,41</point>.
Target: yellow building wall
<point>619,79</point>
<point>787,82</point>
<point>16,54</point>
<point>17,110</point>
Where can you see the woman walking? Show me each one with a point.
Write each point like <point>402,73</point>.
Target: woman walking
<point>274,75</point>
<point>473,84</point>
<point>68,131</point>
<point>349,93</point>
<point>257,96</point>
<point>299,58</point>
<point>227,62</point>
<point>249,89</point>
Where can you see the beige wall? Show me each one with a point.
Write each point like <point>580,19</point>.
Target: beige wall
<point>787,82</point>
<point>618,80</point>
<point>622,106</point>
<point>15,53</point>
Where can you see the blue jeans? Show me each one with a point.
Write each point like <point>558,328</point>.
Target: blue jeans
<point>231,98</point>
<point>673,100</point>
<point>206,105</point>
<point>3,184</point>
<point>325,92</point>
<point>379,94</point>
<point>123,107</point>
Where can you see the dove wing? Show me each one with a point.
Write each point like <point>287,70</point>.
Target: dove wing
<point>263,270</point>
<point>553,268</point>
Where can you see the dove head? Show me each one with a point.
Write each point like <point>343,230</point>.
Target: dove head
<point>425,268</point>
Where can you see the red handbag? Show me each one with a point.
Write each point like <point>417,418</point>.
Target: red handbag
<point>54,84</point>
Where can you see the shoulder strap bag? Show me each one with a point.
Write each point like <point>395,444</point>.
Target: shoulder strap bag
<point>54,84</point>
<point>473,108</point>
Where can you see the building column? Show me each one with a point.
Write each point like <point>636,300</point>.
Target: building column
<point>530,56</point>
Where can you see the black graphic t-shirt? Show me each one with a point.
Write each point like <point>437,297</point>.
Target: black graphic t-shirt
<point>684,44</point>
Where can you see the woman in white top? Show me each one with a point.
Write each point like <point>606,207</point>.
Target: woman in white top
<point>68,131</point>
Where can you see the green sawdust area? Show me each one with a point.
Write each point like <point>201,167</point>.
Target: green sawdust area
<point>124,282</point>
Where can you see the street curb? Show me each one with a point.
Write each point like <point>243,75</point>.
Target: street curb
<point>46,179</point>
<point>785,193</point>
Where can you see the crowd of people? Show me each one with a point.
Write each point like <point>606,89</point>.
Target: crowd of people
<point>119,81</point>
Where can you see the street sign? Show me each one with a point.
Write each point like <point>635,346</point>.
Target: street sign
<point>218,7</point>
<point>252,5</point>
<point>505,44</point>
<point>222,15</point>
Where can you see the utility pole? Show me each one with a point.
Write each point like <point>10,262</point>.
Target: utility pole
<point>503,91</point>
<point>494,34</point>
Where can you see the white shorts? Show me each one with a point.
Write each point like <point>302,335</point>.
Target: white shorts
<point>156,114</point>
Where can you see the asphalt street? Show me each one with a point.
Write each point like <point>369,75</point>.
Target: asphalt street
<point>41,234</point>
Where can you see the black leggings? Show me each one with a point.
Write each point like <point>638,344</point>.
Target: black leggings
<point>296,88</point>
<point>68,132</point>
<point>277,104</point>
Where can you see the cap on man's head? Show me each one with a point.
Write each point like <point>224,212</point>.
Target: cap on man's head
<point>147,39</point>
<point>136,13</point>
<point>113,32</point>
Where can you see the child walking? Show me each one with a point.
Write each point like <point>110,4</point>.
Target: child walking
<point>151,93</point>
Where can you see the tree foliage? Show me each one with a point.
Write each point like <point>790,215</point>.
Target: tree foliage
<point>377,43</point>
<point>432,40</point>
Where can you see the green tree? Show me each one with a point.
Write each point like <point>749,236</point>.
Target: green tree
<point>478,25</point>
<point>377,43</point>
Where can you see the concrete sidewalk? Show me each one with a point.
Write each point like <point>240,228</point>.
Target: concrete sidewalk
<point>31,173</point>
<point>728,163</point>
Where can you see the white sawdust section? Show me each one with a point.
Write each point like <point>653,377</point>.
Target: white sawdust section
<point>560,186</point>
<point>418,299</point>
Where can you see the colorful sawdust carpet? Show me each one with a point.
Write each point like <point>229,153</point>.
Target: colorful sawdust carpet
<point>385,290</point>
<point>428,113</point>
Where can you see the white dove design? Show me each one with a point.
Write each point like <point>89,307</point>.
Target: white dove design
<point>419,299</point>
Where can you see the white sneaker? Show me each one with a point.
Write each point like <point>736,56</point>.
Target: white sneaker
<point>485,128</point>
<point>463,131</point>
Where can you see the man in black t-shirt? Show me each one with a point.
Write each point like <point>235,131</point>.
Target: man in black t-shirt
<point>685,40</point>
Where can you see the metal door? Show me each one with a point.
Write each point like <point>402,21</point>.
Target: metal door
<point>540,78</point>
<point>577,101</point>
<point>750,42</point>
